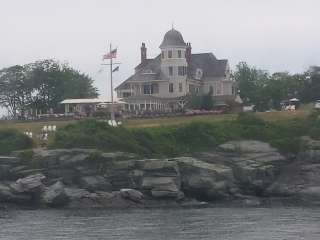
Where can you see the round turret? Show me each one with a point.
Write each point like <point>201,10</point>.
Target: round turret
<point>173,38</point>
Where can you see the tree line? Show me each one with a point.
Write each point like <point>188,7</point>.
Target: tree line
<point>267,91</point>
<point>40,87</point>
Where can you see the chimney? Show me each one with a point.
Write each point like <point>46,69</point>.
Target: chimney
<point>188,53</point>
<point>143,52</point>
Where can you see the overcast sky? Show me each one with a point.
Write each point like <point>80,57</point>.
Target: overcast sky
<point>276,35</point>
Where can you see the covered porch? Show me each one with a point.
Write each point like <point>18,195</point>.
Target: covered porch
<point>140,104</point>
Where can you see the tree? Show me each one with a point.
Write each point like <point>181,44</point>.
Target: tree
<point>251,83</point>
<point>42,85</point>
<point>15,90</point>
<point>207,101</point>
<point>311,92</point>
<point>201,101</point>
<point>55,82</point>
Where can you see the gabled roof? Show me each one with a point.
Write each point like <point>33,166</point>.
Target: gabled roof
<point>209,64</point>
<point>148,70</point>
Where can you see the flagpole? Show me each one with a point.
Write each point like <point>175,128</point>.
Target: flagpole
<point>111,85</point>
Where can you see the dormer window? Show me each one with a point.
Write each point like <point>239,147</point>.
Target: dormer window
<point>198,74</point>
<point>170,54</point>
<point>162,54</point>
<point>179,53</point>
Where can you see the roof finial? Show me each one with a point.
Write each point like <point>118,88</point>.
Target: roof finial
<point>172,24</point>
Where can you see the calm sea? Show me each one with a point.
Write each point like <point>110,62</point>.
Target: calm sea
<point>156,224</point>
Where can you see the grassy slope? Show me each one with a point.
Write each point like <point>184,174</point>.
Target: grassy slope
<point>36,127</point>
<point>174,136</point>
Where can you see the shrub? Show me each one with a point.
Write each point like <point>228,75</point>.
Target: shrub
<point>189,138</point>
<point>11,140</point>
<point>314,131</point>
<point>26,154</point>
<point>94,134</point>
<point>249,119</point>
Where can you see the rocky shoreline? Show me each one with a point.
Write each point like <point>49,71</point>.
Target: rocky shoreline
<point>242,173</point>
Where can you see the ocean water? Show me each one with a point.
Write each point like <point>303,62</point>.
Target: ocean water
<point>167,224</point>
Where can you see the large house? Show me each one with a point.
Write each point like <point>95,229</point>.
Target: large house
<point>162,83</point>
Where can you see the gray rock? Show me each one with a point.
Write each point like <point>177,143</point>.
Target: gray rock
<point>80,198</point>
<point>300,179</point>
<point>94,183</point>
<point>73,160</point>
<point>255,164</point>
<point>178,195</point>
<point>67,175</point>
<point>5,173</point>
<point>114,200</point>
<point>205,180</point>
<point>132,194</point>
<point>32,183</point>
<point>160,167</point>
<point>246,146</point>
<point>12,160</point>
<point>27,172</point>
<point>7,195</point>
<point>162,187</point>
<point>55,195</point>
<point>76,193</point>
<point>117,156</point>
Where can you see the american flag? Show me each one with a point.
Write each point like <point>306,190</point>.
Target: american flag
<point>112,54</point>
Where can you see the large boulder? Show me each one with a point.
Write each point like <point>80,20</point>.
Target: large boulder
<point>204,180</point>
<point>255,164</point>
<point>55,195</point>
<point>29,184</point>
<point>161,177</point>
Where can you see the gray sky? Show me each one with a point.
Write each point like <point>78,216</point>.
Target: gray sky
<point>275,35</point>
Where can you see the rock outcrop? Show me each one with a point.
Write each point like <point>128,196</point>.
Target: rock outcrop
<point>55,195</point>
<point>300,180</point>
<point>237,170</point>
<point>207,181</point>
<point>255,164</point>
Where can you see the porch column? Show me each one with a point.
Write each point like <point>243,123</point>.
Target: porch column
<point>66,108</point>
